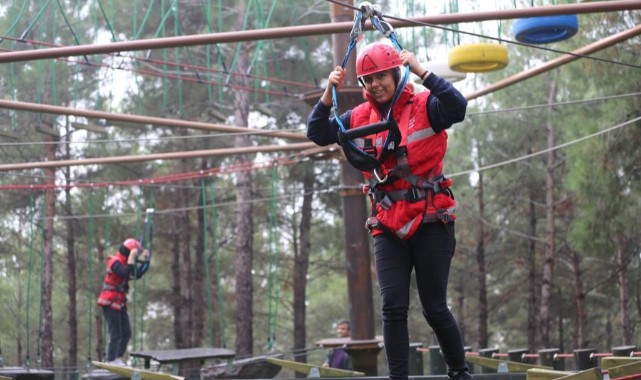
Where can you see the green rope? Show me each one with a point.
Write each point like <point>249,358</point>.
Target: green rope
<point>15,18</point>
<point>144,20</point>
<point>137,32</point>
<point>32,213</point>
<point>143,302</point>
<point>177,58</point>
<point>106,241</point>
<point>221,304</point>
<point>42,260</point>
<point>62,12</point>
<point>165,57</point>
<point>90,293</point>
<point>220,55</point>
<point>274,265</point>
<point>207,12</point>
<point>54,76</point>
<point>259,52</point>
<point>244,27</point>
<point>33,22</point>
<point>203,192</point>
<point>104,15</point>
<point>135,287</point>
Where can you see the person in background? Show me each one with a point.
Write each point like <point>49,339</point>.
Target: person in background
<point>412,220</point>
<point>338,357</point>
<point>121,268</point>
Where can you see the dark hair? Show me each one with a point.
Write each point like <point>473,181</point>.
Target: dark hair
<point>396,72</point>
<point>344,322</point>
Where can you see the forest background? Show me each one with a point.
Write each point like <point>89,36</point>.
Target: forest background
<point>248,249</point>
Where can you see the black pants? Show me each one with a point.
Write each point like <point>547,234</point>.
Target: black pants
<point>119,331</point>
<point>429,253</point>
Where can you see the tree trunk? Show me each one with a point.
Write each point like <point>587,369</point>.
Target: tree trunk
<point>187,304</point>
<point>580,308</point>
<point>179,315</point>
<point>550,245</point>
<point>47,262</point>
<point>532,270</point>
<point>624,291</point>
<point>481,269</point>
<point>97,284</point>
<point>200,331</point>
<point>244,216</point>
<point>301,265</point>
<point>71,268</point>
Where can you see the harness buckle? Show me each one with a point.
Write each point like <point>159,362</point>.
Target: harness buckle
<point>371,223</point>
<point>445,216</point>
<point>414,194</point>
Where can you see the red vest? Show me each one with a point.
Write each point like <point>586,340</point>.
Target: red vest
<point>114,292</point>
<point>424,160</point>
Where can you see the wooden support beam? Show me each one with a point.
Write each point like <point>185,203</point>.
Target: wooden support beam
<point>308,369</point>
<point>545,374</point>
<point>497,364</point>
<point>610,362</point>
<point>633,368</point>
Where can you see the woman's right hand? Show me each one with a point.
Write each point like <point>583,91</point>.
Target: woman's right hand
<point>336,78</point>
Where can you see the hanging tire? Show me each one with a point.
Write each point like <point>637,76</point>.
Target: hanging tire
<point>477,58</point>
<point>442,69</point>
<point>543,30</point>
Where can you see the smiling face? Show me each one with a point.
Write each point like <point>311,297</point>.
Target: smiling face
<point>380,86</point>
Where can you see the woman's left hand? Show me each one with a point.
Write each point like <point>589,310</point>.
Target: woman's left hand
<point>408,58</point>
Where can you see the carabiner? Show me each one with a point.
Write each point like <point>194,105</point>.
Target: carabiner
<point>379,178</point>
<point>367,8</point>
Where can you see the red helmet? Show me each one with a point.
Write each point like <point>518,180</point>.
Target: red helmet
<point>131,244</point>
<point>377,57</point>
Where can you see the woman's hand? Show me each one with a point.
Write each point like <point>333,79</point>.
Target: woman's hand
<point>131,259</point>
<point>408,58</point>
<point>336,78</point>
<point>144,256</point>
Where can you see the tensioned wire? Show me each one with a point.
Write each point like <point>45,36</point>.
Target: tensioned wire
<point>557,147</point>
<point>487,167</point>
<point>492,166</point>
<point>456,31</point>
<point>217,135</point>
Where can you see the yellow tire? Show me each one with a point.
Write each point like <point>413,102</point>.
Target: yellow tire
<point>477,58</point>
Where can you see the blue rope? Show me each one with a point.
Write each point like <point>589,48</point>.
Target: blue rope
<point>388,31</point>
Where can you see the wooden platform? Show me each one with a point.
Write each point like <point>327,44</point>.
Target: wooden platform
<point>136,373</point>
<point>185,362</point>
<point>20,373</point>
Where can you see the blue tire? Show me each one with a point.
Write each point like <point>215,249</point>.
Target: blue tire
<point>543,30</point>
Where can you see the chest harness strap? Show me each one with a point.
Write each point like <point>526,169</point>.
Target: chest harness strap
<point>365,158</point>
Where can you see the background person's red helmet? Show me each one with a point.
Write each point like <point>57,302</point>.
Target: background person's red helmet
<point>377,57</point>
<point>131,244</point>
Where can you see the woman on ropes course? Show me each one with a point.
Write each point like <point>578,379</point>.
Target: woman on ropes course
<point>121,267</point>
<point>401,155</point>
